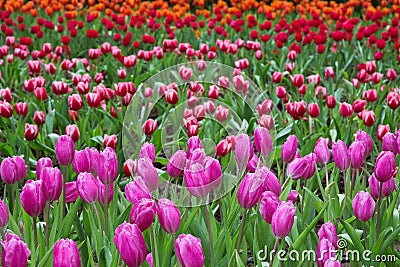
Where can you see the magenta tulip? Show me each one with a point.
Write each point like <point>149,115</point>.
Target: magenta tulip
<point>15,252</point>
<point>389,143</point>
<point>40,165</point>
<point>148,151</point>
<point>289,149</point>
<point>189,251</point>
<point>194,142</point>
<point>387,187</point>
<point>52,183</point>
<point>298,168</point>
<point>148,172</point>
<point>168,215</point>
<point>87,187</point>
<point>328,231</point>
<point>149,259</point>
<point>13,170</point>
<point>253,164</point>
<point>340,155</point>
<point>363,206</point>
<point>283,219</point>
<point>263,141</point>
<point>364,137</point>
<point>102,192</point>
<point>325,251</point>
<point>385,166</point>
<point>250,190</point>
<point>293,196</point>
<point>136,190</point>
<point>143,213</point>
<point>3,214</point>
<point>32,198</point>
<point>357,154</point>
<point>107,168</point>
<point>321,151</point>
<point>268,206</point>
<point>71,192</point>
<point>66,254</point>
<point>271,181</point>
<point>130,243</point>
<point>176,164</point>
<point>81,162</point>
<point>243,150</point>
<point>332,263</point>
<point>65,150</point>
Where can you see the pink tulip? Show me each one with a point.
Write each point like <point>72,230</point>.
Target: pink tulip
<point>32,198</point>
<point>168,215</point>
<point>283,219</point>
<point>66,254</point>
<point>143,213</point>
<point>15,252</point>
<point>189,251</point>
<point>363,206</point>
<point>269,203</point>
<point>65,150</point>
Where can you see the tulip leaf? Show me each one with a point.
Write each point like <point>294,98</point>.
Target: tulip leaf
<point>69,218</point>
<point>381,239</point>
<point>389,212</point>
<point>389,241</point>
<point>353,235</point>
<point>301,239</point>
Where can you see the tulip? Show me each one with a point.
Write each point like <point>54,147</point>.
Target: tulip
<point>298,168</point>
<point>143,213</point>
<point>73,132</point>
<point>102,192</point>
<point>148,173</point>
<point>3,214</point>
<point>293,196</point>
<point>32,198</point>
<point>330,101</point>
<point>21,108</point>
<point>325,252</point>
<point>65,150</point>
<point>253,164</point>
<point>357,154</point>
<point>271,181</point>
<point>193,143</point>
<point>81,161</point>
<point>6,110</point>
<point>328,231</point>
<point>243,150</point>
<point>87,187</point>
<point>136,190</point>
<point>15,252</point>
<point>263,141</point>
<point>168,215</point>
<point>387,187</point>
<point>385,166</point>
<point>289,149</point>
<point>94,160</point>
<point>148,151</point>
<point>389,143</point>
<point>321,151</point>
<point>269,203</point>
<point>345,110</point>
<point>171,96</point>
<point>364,137</point>
<point>382,131</point>
<point>71,193</point>
<point>149,259</point>
<point>31,132</point>
<point>222,113</point>
<point>222,149</point>
<point>363,206</point>
<point>283,219</point>
<point>332,263</point>
<point>107,168</point>
<point>149,127</point>
<point>277,77</point>
<point>340,155</point>
<point>13,170</point>
<point>130,243</point>
<point>66,254</point>
<point>329,73</point>
<point>250,190</point>
<point>110,141</point>
<point>189,251</point>
<point>52,183</point>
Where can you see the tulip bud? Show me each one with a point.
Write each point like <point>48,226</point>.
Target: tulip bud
<point>81,161</point>
<point>289,149</point>
<point>107,168</point>
<point>387,187</point>
<point>148,172</point>
<point>65,150</point>
<point>329,73</point>
<point>149,259</point>
<point>223,148</point>
<point>13,170</point>
<point>364,137</point>
<point>66,254</point>
<point>31,132</point>
<point>293,196</point>
<point>71,193</point>
<point>332,263</point>
<point>357,154</point>
<point>277,77</point>
<point>87,187</point>
<point>330,101</point>
<point>33,198</point>
<point>283,219</point>
<point>313,110</point>
<point>325,252</point>
<point>253,164</point>
<point>110,141</point>
<point>345,110</point>
<point>135,253</point>
<point>130,167</point>
<point>21,108</point>
<point>222,113</point>
<point>298,168</point>
<point>268,206</point>
<point>271,181</point>
<point>363,206</point>
<point>143,213</point>
<point>15,252</point>
<point>243,150</point>
<point>321,151</point>
<point>385,166</point>
<point>263,141</point>
<point>3,214</point>
<point>52,183</point>
<point>389,143</point>
<point>176,164</point>
<point>328,231</point>
<point>250,190</point>
<point>340,155</point>
<point>148,151</point>
<point>149,127</point>
<point>136,190</point>
<point>189,251</point>
<point>168,215</point>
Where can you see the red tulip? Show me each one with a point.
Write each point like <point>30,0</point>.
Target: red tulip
<point>345,110</point>
<point>73,132</point>
<point>368,117</point>
<point>6,110</point>
<point>330,101</point>
<point>21,108</point>
<point>110,141</point>
<point>150,126</point>
<point>382,130</point>
<point>31,132</point>
<point>313,110</point>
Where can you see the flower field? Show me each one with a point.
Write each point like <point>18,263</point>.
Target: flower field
<point>199,133</point>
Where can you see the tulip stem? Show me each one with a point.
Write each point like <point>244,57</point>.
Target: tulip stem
<point>63,192</point>
<point>3,236</point>
<point>47,218</point>
<point>35,236</point>
<point>326,175</point>
<point>12,206</point>
<point>106,211</point>
<point>303,195</point>
<point>209,235</point>
<point>364,234</point>
<point>353,181</point>
<point>283,173</point>
<point>153,246</point>
<point>274,251</point>
<point>378,223</point>
<point>241,230</point>
<point>345,195</point>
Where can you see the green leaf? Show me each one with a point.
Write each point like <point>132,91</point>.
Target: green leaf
<point>353,235</point>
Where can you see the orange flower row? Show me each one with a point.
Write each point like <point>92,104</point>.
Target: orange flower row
<point>180,8</point>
